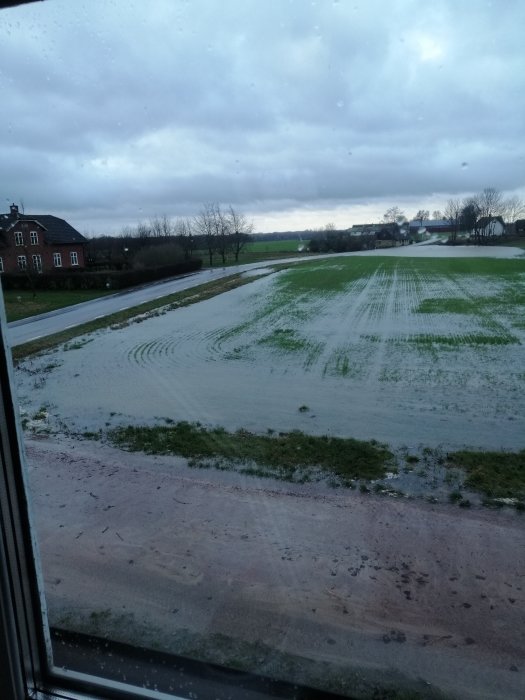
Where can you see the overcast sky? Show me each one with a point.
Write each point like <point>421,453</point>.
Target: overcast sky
<point>297,113</point>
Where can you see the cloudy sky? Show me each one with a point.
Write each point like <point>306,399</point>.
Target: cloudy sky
<point>298,113</point>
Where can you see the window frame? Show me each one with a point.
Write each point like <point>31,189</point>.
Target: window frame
<point>36,262</point>
<point>22,266</point>
<point>19,238</point>
<point>33,237</point>
<point>73,258</point>
<point>1,264</point>
<point>57,259</point>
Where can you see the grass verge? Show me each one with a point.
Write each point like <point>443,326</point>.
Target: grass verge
<point>20,303</point>
<point>345,458</point>
<point>122,318</point>
<point>495,474</point>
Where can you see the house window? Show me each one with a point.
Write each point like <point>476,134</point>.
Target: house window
<point>57,259</point>
<point>37,263</point>
<point>34,237</point>
<point>74,257</point>
<point>22,262</point>
<point>19,239</point>
<point>1,264</point>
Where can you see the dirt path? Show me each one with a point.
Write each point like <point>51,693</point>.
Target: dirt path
<point>147,546</point>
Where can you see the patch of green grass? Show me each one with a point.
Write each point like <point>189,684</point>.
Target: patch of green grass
<point>290,245</point>
<point>456,341</point>
<point>344,457</point>
<point>77,345</point>
<point>285,339</point>
<point>495,474</point>
<point>450,305</point>
<point>21,303</point>
<point>41,414</point>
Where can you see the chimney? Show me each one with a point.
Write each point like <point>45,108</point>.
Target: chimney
<point>14,210</point>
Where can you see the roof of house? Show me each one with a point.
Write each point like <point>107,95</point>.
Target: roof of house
<point>417,223</point>
<point>56,230</point>
<point>486,220</point>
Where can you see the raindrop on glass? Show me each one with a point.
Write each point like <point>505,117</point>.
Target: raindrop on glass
<point>464,164</point>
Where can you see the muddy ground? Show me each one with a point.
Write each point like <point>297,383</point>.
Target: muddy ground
<point>265,575</point>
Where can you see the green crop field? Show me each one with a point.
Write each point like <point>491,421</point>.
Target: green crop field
<point>286,246</point>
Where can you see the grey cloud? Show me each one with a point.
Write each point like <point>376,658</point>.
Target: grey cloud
<point>289,103</point>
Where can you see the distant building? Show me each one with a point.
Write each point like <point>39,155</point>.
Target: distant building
<point>386,235</point>
<point>38,242</point>
<point>431,226</point>
<point>489,226</point>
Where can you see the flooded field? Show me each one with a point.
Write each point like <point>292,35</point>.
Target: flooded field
<point>299,581</point>
<point>407,351</point>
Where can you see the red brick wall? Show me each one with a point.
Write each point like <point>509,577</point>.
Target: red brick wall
<point>10,253</point>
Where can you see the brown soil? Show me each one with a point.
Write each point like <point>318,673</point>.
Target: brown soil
<point>154,551</point>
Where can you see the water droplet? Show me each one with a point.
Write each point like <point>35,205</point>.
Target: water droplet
<point>464,164</point>
<point>340,103</point>
<point>350,153</point>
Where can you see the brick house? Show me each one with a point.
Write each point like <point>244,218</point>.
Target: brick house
<point>38,242</point>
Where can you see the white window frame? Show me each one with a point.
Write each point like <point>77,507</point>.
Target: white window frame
<point>73,256</point>
<point>21,262</point>
<point>57,259</point>
<point>19,238</point>
<point>33,235</point>
<point>36,260</point>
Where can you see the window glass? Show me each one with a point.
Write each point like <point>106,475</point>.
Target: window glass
<point>301,457</point>
<point>37,262</point>
<point>1,264</point>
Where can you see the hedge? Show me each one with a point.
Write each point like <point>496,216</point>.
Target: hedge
<point>112,279</point>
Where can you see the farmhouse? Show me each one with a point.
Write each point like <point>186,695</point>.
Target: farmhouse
<point>491,226</point>
<point>38,242</point>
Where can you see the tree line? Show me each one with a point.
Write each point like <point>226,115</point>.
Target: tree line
<point>219,232</point>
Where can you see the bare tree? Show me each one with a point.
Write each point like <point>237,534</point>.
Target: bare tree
<point>437,214</point>
<point>421,216</point>
<point>240,228</point>
<point>452,214</point>
<point>513,208</point>
<point>490,205</point>
<point>166,226</point>
<point>205,226</point>
<point>143,230</point>
<point>394,215</point>
<point>222,232</point>
<point>184,234</point>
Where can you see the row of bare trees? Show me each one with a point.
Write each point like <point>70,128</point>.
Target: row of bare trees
<point>474,213</point>
<point>218,231</point>
<point>223,232</point>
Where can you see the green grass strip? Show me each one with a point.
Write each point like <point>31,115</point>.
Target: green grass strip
<point>344,457</point>
<point>496,474</point>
